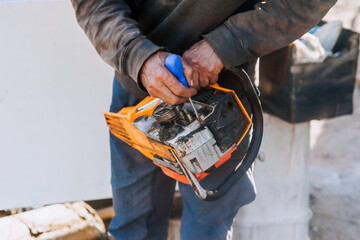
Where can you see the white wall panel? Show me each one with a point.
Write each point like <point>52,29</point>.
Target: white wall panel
<point>54,90</point>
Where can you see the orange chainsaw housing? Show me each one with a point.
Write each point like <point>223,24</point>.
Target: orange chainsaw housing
<point>121,126</point>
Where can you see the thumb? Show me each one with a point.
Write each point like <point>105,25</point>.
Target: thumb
<point>188,72</point>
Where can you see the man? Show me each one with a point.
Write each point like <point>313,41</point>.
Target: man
<point>135,37</point>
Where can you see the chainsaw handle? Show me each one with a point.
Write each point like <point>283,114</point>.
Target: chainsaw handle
<point>174,65</point>
<point>251,94</point>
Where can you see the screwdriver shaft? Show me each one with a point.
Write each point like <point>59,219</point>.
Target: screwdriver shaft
<point>193,106</point>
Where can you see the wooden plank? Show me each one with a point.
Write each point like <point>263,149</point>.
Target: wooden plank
<point>66,221</point>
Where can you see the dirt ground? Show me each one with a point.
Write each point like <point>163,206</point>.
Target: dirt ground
<point>335,177</point>
<point>335,159</point>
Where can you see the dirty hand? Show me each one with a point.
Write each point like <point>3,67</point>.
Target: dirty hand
<point>205,62</point>
<point>160,83</point>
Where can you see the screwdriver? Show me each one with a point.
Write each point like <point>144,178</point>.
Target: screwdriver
<point>174,65</point>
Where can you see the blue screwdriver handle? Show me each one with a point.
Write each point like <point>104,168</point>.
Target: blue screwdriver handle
<point>174,65</point>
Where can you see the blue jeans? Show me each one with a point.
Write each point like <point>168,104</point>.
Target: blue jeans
<point>142,195</point>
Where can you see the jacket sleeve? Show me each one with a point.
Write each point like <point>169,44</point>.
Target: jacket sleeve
<point>115,36</point>
<point>273,24</point>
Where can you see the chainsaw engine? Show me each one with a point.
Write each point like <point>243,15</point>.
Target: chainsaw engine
<point>201,141</point>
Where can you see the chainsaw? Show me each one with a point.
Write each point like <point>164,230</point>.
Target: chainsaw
<point>189,140</point>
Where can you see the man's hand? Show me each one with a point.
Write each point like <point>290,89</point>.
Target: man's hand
<point>205,63</point>
<point>160,83</point>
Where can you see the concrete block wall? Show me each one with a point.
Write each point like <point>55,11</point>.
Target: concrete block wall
<point>281,209</point>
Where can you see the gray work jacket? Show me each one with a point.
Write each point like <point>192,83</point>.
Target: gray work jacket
<point>126,32</point>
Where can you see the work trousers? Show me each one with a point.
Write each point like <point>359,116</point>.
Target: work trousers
<point>142,194</point>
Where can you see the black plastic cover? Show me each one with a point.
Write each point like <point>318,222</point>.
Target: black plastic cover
<point>303,92</point>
